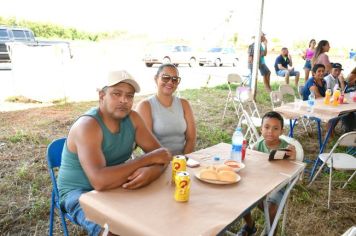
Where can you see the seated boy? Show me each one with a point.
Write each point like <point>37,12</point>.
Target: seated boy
<point>271,129</point>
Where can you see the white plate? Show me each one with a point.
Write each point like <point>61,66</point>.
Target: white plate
<point>197,174</point>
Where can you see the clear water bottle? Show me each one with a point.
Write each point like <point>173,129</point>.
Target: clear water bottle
<point>237,142</point>
<point>311,102</point>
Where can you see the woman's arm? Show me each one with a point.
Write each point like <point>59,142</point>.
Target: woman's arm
<point>144,109</point>
<point>191,133</point>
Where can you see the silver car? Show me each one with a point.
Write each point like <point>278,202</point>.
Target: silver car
<point>219,56</point>
<point>178,54</point>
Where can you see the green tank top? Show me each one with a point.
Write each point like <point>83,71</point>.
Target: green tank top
<point>117,148</point>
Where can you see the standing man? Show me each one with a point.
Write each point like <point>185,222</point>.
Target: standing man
<point>99,145</point>
<point>284,66</point>
<point>265,72</point>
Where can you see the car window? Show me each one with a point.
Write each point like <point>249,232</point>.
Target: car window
<point>186,49</point>
<point>215,50</point>
<point>19,34</point>
<point>4,34</point>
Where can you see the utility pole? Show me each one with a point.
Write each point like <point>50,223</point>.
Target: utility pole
<point>256,54</point>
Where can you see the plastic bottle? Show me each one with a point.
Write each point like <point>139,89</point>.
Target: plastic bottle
<point>327,97</point>
<point>237,142</point>
<point>311,102</point>
<point>336,95</point>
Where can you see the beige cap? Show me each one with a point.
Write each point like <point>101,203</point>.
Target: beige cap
<point>119,76</point>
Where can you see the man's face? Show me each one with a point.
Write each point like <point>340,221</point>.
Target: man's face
<point>117,100</point>
<point>335,72</point>
<point>319,74</point>
<point>284,52</point>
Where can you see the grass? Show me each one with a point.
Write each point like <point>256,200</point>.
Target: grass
<point>25,186</point>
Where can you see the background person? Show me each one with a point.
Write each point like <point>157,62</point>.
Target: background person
<point>265,72</point>
<point>98,147</point>
<point>351,81</point>
<point>307,56</point>
<point>316,83</point>
<point>320,56</point>
<point>284,66</point>
<point>271,129</point>
<point>335,78</point>
<point>170,118</point>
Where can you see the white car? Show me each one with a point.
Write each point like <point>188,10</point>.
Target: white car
<point>179,54</point>
<point>219,56</point>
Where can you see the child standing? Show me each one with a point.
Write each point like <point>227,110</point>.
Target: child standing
<point>272,128</point>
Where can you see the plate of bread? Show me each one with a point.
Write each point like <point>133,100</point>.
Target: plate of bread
<point>220,174</point>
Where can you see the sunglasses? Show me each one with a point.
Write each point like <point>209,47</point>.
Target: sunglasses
<point>167,78</point>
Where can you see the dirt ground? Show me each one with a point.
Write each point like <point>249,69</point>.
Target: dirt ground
<point>25,185</point>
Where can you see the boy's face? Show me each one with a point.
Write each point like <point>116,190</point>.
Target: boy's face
<point>271,129</point>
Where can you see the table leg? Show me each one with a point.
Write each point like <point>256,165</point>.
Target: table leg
<point>291,126</point>
<point>282,204</point>
<point>266,211</point>
<point>322,144</point>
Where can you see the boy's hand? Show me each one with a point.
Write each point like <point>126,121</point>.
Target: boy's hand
<point>292,153</point>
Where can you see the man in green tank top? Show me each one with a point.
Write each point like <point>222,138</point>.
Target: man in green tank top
<point>98,147</point>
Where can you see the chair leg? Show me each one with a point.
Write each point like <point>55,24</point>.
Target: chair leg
<point>226,103</point>
<point>51,215</point>
<point>329,194</point>
<point>63,220</point>
<point>349,179</point>
<point>317,173</point>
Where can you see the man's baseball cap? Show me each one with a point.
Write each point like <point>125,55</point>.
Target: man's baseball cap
<point>121,76</point>
<point>336,66</point>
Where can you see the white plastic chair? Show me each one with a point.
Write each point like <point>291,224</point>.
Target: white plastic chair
<point>339,161</point>
<point>245,101</point>
<point>232,79</point>
<point>251,134</point>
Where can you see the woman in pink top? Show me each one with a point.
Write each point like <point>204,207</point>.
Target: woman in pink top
<point>320,56</point>
<point>307,56</point>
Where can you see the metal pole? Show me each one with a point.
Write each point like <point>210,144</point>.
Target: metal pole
<point>256,54</point>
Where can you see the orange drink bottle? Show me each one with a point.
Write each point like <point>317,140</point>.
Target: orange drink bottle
<point>182,191</point>
<point>179,163</point>
<point>336,97</point>
<point>327,97</point>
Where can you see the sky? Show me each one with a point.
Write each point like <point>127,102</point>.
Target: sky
<point>287,20</point>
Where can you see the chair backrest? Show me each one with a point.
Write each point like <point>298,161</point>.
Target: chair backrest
<point>276,99</point>
<point>251,133</point>
<point>286,89</point>
<point>234,78</point>
<point>347,140</point>
<point>298,146</point>
<point>54,153</point>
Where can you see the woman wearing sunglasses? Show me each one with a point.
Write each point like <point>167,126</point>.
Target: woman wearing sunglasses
<point>170,118</point>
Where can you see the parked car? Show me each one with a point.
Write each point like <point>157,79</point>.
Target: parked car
<point>15,35</point>
<point>219,56</point>
<point>177,54</point>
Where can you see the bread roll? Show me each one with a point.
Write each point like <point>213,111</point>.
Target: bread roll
<point>227,176</point>
<point>208,174</point>
<point>224,167</point>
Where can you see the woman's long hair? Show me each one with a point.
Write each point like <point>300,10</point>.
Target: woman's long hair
<point>319,50</point>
